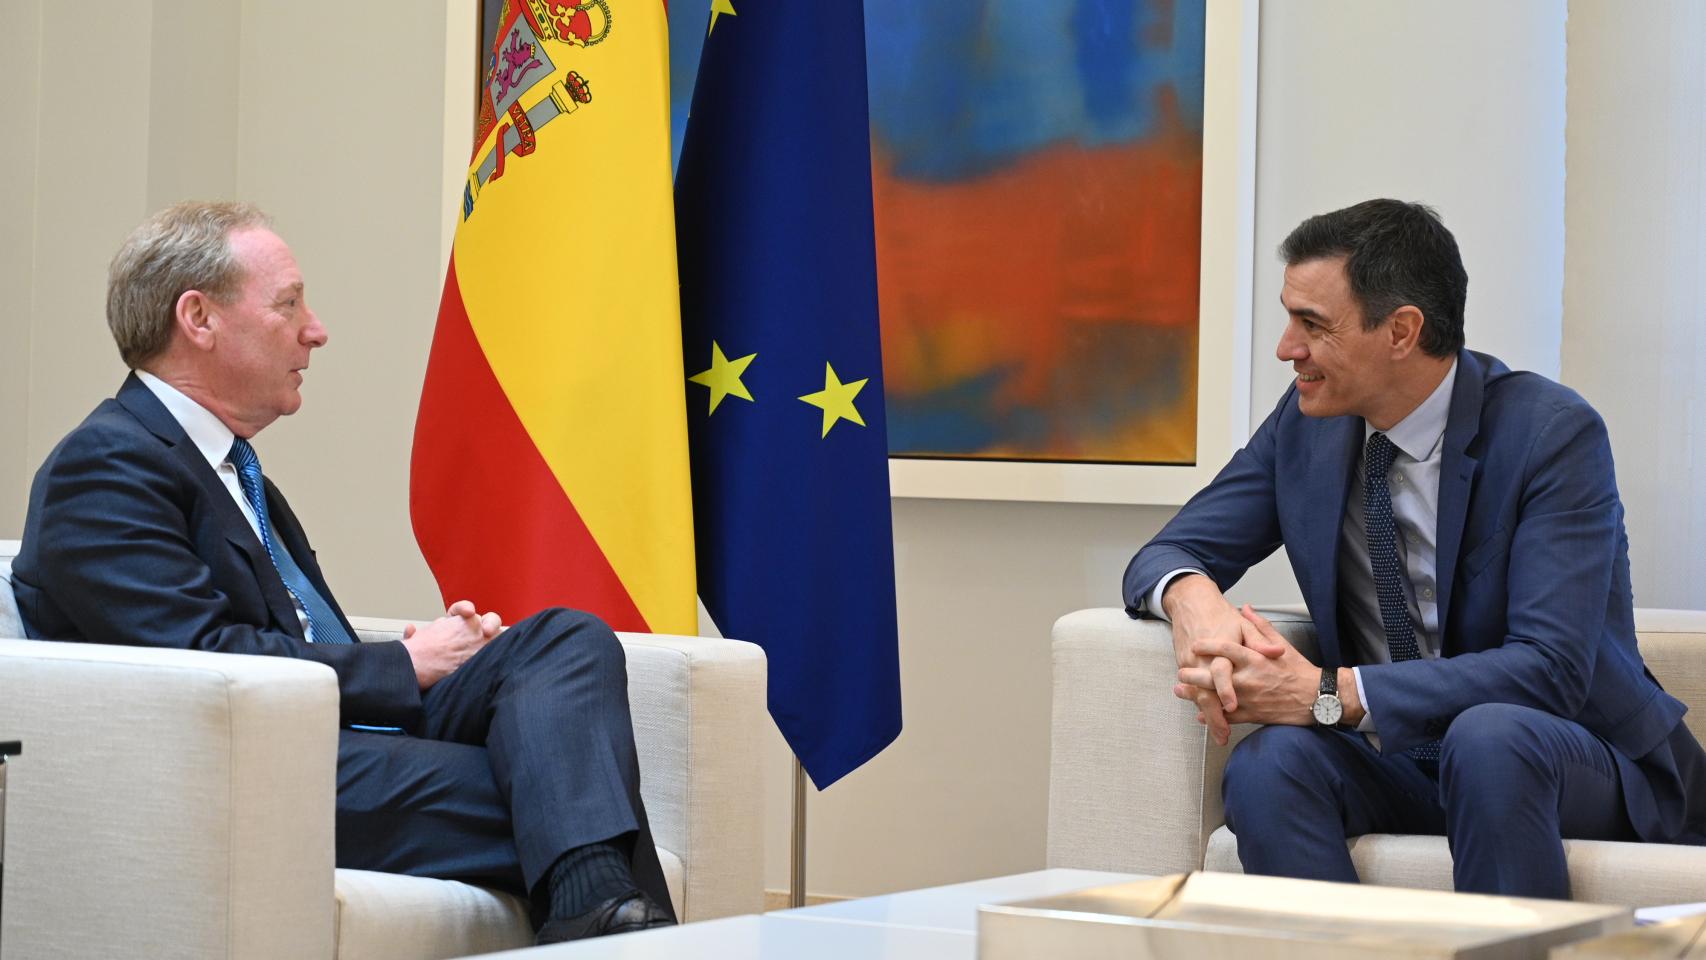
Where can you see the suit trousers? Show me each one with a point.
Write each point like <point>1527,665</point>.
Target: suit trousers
<point>1511,783</point>
<point>523,753</point>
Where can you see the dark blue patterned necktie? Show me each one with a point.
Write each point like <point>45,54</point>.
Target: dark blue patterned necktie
<point>323,624</point>
<point>1381,533</point>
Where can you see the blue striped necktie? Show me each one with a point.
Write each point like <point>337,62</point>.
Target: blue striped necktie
<point>323,624</point>
<point>1381,533</point>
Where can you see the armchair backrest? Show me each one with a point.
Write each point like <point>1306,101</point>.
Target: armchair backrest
<point>1673,642</point>
<point>11,625</point>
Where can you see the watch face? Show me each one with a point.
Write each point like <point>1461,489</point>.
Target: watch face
<point>1327,710</point>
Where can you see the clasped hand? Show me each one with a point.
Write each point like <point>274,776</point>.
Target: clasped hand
<point>1256,678</point>
<point>445,644</point>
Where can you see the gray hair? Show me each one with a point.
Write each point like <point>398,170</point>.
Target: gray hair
<point>184,247</point>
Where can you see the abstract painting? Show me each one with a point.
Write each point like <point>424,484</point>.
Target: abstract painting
<point>1037,169</point>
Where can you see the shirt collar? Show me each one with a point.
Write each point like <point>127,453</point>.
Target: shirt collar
<point>209,434</point>
<point>1418,434</point>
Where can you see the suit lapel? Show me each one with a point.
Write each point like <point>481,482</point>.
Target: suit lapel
<point>1331,459</point>
<point>135,397</point>
<point>1456,477</point>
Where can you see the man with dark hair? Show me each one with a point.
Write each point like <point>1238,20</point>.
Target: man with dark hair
<point>501,758</point>
<point>1456,531</point>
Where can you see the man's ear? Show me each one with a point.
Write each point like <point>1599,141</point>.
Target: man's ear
<point>1404,326</point>
<point>196,318</point>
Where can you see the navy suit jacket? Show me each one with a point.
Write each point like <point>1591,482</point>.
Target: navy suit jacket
<point>143,544</point>
<point>1535,606</point>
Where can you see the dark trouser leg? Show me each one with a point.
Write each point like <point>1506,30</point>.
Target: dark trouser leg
<point>1515,781</point>
<point>425,808</point>
<point>1293,794</point>
<point>528,752</point>
<point>549,701</point>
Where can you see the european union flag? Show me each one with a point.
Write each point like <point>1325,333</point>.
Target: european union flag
<point>785,401</point>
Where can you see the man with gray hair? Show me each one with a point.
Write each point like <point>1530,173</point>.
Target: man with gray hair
<point>503,758</point>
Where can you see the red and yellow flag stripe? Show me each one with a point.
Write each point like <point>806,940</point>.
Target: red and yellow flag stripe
<point>550,460</point>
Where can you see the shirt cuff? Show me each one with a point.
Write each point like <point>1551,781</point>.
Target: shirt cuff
<point>1366,725</point>
<point>1154,602</point>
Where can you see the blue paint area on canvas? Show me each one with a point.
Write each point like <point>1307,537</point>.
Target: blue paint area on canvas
<point>688,20</point>
<point>963,87</point>
<point>1069,70</point>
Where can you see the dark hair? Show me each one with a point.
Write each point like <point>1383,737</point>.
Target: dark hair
<point>1396,254</point>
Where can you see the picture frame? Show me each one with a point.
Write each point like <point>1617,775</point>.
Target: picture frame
<point>1225,318</point>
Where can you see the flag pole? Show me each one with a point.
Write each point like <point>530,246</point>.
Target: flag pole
<point>797,865</point>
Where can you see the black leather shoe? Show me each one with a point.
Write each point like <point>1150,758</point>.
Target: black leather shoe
<point>623,914</point>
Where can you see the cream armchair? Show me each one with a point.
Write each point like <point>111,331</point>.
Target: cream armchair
<point>180,804</point>
<point>1134,782</point>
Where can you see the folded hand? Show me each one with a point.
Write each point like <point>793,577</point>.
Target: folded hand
<point>1259,679</point>
<point>445,644</point>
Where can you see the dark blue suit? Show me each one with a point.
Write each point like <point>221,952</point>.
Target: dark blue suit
<point>1535,604</point>
<point>523,753</point>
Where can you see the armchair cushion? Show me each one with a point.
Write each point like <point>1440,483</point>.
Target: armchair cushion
<point>385,915</point>
<point>1601,871</point>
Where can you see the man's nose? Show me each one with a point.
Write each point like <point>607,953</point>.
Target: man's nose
<point>314,334</point>
<point>1291,346</point>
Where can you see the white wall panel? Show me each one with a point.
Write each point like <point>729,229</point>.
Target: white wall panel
<point>1635,288</point>
<point>1456,103</point>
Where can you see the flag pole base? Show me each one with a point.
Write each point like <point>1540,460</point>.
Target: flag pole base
<point>797,848</point>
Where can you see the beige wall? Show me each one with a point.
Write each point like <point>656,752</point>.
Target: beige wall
<point>331,115</point>
<point>1635,290</point>
<point>80,200</point>
<point>20,74</point>
<point>342,134</point>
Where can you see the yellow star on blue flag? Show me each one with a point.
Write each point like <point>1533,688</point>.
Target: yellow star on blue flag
<point>718,8</point>
<point>724,376</point>
<point>836,399</point>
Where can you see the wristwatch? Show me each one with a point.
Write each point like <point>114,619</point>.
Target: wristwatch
<point>1328,709</point>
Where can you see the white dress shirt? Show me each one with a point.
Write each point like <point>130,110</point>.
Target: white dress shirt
<point>213,439</point>
<point>1414,483</point>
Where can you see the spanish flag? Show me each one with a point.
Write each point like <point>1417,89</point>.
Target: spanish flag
<point>550,451</point>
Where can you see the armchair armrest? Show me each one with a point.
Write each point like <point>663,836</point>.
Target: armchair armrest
<point>699,719</point>
<point>1134,780</point>
<point>173,803</point>
<point>698,705</point>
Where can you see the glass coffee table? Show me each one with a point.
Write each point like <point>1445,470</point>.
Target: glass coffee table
<point>938,923</point>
